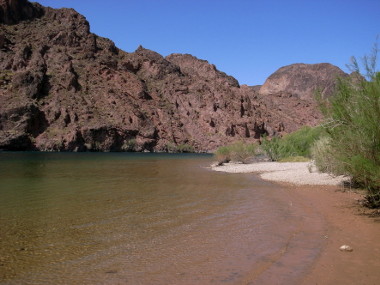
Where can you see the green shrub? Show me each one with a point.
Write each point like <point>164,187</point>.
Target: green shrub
<point>271,148</point>
<point>241,151</point>
<point>295,159</point>
<point>353,124</point>
<point>185,148</point>
<point>324,160</point>
<point>238,151</point>
<point>180,148</point>
<point>294,144</point>
<point>223,154</point>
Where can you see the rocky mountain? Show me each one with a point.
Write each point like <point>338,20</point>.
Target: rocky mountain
<point>302,80</point>
<point>63,88</point>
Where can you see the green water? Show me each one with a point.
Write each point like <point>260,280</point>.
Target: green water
<point>116,218</point>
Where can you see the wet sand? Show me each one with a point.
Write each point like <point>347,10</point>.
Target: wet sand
<point>347,223</point>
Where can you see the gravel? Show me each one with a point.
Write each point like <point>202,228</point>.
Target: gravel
<point>300,173</point>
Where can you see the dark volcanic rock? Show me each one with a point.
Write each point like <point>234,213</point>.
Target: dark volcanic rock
<point>63,88</point>
<point>14,11</point>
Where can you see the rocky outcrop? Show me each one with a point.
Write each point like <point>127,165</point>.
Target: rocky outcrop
<point>14,11</point>
<point>289,93</point>
<point>63,88</point>
<point>303,80</point>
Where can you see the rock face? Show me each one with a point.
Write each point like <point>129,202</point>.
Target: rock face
<point>63,88</point>
<point>14,11</point>
<point>289,93</point>
<point>302,80</point>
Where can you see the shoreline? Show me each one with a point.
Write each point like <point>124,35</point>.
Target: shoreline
<point>347,222</point>
<point>298,173</point>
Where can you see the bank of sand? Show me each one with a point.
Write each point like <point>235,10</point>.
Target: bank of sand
<point>347,222</point>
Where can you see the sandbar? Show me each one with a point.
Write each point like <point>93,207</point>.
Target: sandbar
<point>300,173</point>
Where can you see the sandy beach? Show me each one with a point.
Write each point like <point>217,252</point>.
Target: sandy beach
<point>347,222</point>
<point>299,173</point>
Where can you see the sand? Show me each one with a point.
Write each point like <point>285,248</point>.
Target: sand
<point>347,222</point>
<point>300,173</point>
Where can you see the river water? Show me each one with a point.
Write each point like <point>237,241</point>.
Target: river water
<point>118,218</point>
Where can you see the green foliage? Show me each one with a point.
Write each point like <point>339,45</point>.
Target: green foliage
<point>294,144</point>
<point>295,159</point>
<point>238,151</point>
<point>353,125</point>
<point>242,151</point>
<point>181,148</point>
<point>324,160</point>
<point>271,147</point>
<point>223,154</point>
<point>185,148</point>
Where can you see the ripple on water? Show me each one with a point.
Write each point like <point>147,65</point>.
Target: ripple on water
<point>147,219</point>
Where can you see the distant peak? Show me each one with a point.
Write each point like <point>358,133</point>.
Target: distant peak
<point>140,48</point>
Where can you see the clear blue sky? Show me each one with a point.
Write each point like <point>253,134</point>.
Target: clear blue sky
<point>248,39</point>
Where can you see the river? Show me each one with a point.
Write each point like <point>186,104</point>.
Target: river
<point>122,218</point>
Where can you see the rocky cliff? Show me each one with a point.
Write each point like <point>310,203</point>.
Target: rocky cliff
<point>63,88</point>
<point>14,11</point>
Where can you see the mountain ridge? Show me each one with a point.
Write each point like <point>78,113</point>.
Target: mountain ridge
<point>63,88</point>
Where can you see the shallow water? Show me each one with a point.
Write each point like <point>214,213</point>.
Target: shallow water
<point>116,218</point>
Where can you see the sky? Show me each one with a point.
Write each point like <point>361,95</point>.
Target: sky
<point>248,39</point>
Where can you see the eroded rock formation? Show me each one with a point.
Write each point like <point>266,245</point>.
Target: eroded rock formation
<point>63,88</point>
